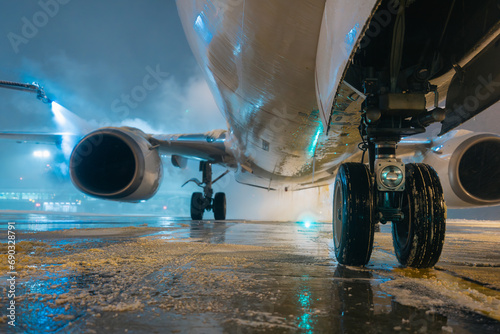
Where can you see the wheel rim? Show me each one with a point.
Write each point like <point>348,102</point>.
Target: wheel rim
<point>338,213</point>
<point>403,228</point>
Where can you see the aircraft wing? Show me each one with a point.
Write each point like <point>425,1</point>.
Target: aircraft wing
<point>210,146</point>
<point>37,138</point>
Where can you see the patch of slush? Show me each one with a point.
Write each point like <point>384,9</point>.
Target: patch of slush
<point>147,273</point>
<point>434,293</point>
<point>262,321</point>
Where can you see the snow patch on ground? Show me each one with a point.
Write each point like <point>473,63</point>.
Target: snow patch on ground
<point>263,320</point>
<point>433,292</point>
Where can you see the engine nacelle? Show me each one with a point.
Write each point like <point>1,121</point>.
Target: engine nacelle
<point>116,164</point>
<point>469,167</point>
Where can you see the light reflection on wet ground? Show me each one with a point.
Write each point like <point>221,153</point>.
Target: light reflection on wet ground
<point>38,222</point>
<point>180,276</point>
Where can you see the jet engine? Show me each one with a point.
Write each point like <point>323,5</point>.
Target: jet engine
<point>469,168</point>
<point>116,164</point>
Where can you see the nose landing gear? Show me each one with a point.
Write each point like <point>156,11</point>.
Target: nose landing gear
<point>408,196</point>
<point>417,214</point>
<point>201,202</point>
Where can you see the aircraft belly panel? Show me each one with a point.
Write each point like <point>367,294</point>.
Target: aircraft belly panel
<point>259,59</point>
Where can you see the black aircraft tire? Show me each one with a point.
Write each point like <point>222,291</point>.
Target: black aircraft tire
<point>353,226</point>
<point>197,208</point>
<point>220,206</point>
<point>418,239</point>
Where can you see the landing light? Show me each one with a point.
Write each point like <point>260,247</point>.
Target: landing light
<point>391,176</point>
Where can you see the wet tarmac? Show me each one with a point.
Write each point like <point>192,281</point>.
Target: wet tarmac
<point>143,274</point>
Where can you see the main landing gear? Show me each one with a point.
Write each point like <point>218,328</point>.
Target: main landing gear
<point>201,202</point>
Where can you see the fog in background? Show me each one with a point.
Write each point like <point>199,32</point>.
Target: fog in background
<point>88,55</point>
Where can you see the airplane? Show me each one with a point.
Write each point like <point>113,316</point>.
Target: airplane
<point>317,92</point>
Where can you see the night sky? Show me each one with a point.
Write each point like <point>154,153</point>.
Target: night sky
<point>88,55</point>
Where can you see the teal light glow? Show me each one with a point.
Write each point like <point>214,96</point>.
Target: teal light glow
<point>237,49</point>
<point>38,312</point>
<point>307,219</point>
<point>202,28</point>
<point>350,38</point>
<point>312,148</point>
<point>305,299</point>
<point>306,320</point>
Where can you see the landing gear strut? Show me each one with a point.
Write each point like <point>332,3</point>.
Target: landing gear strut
<point>201,202</point>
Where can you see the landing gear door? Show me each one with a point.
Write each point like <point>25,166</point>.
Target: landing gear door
<point>343,26</point>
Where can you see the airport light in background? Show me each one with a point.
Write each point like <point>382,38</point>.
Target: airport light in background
<point>41,154</point>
